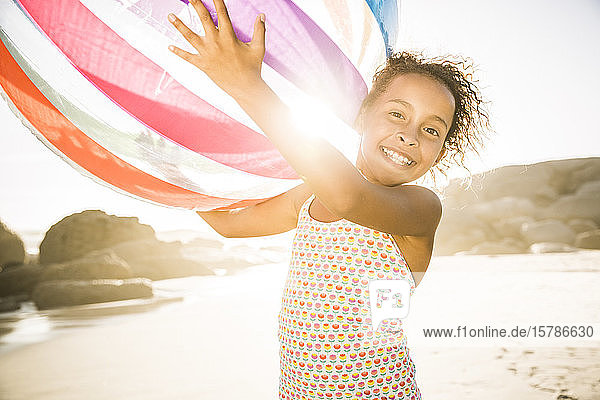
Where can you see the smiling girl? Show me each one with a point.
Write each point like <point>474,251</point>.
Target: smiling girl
<point>354,223</point>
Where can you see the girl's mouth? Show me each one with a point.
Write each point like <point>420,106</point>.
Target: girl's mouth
<point>396,158</point>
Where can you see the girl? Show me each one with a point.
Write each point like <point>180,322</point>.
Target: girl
<point>354,223</point>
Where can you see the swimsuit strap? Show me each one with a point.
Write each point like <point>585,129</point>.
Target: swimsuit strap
<point>306,204</point>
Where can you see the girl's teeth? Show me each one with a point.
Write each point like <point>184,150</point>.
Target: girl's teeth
<point>397,158</point>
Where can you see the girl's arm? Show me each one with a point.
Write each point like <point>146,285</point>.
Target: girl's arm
<point>403,210</point>
<point>276,215</point>
<point>235,66</point>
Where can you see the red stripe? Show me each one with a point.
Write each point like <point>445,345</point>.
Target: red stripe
<point>130,79</point>
<point>88,154</point>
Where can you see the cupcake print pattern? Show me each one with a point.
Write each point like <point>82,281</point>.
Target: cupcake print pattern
<point>327,347</point>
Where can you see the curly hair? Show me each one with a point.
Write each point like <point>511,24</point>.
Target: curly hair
<point>470,122</point>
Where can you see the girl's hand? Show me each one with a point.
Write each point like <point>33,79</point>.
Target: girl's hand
<point>235,66</point>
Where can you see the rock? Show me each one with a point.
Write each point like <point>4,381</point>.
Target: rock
<point>78,234</point>
<point>232,259</point>
<point>511,227</point>
<point>588,240</point>
<point>577,206</point>
<point>156,260</point>
<point>504,207</point>
<point>12,303</point>
<point>459,242</point>
<point>589,170</point>
<point>20,279</point>
<point>500,202</point>
<point>53,294</point>
<point>533,182</point>
<point>12,250</point>
<point>504,246</point>
<point>550,247</point>
<point>134,250</point>
<point>582,225</point>
<point>592,187</point>
<point>204,242</point>
<point>542,183</point>
<point>98,264</point>
<point>565,177</point>
<point>548,230</point>
<point>9,304</point>
<point>458,221</point>
<point>165,267</point>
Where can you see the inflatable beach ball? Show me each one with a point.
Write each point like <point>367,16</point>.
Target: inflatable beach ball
<point>95,82</point>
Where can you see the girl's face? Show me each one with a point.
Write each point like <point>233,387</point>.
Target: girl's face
<point>403,131</point>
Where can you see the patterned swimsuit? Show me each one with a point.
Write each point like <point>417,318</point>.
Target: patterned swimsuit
<point>327,347</point>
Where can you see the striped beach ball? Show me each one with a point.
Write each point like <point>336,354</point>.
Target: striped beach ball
<point>94,81</point>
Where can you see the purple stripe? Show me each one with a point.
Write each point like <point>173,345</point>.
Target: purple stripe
<point>301,51</point>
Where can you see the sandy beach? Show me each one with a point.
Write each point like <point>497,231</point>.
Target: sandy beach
<point>220,341</point>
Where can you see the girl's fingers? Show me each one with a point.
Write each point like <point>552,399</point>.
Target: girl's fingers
<point>189,57</point>
<point>187,33</point>
<point>225,25</point>
<point>258,37</point>
<point>205,18</point>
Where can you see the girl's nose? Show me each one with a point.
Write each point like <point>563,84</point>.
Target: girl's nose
<point>408,139</point>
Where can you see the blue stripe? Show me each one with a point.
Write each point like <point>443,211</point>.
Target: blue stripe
<point>386,14</point>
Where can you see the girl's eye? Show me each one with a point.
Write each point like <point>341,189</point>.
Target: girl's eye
<point>396,114</point>
<point>432,131</point>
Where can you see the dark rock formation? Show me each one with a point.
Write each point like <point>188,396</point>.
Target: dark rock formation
<point>153,259</point>
<point>78,234</point>
<point>588,240</point>
<point>10,303</point>
<point>98,264</point>
<point>164,267</point>
<point>137,250</point>
<point>91,257</point>
<point>582,225</point>
<point>12,250</point>
<point>547,230</point>
<point>62,293</point>
<point>20,279</point>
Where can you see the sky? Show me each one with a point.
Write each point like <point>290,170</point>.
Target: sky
<point>537,63</point>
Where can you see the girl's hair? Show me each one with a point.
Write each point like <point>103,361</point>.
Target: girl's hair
<point>470,122</point>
